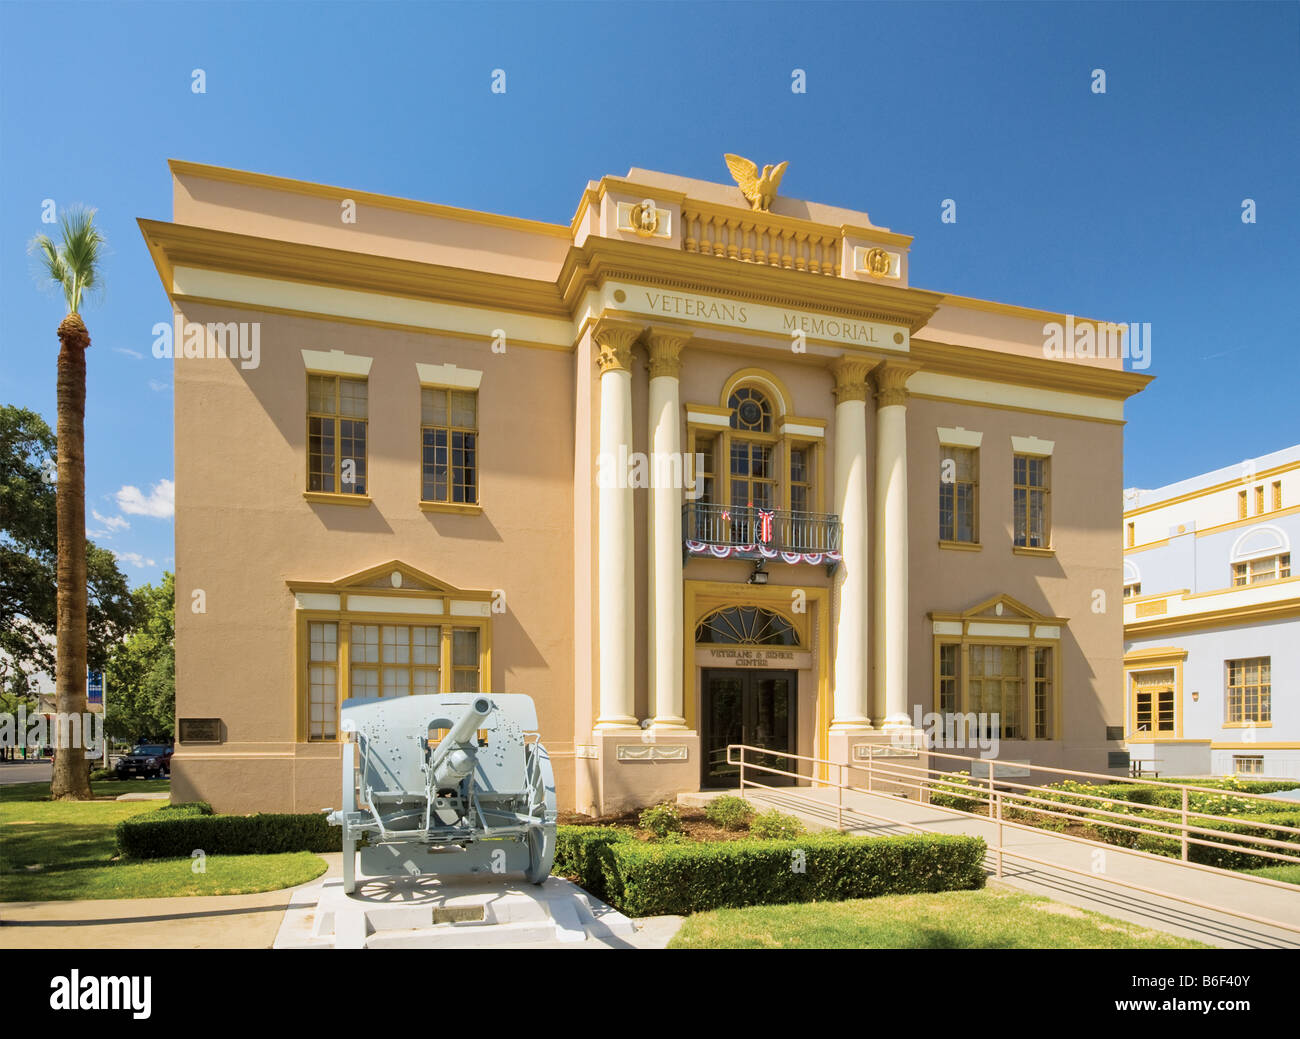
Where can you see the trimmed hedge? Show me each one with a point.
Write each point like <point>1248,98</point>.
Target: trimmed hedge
<point>581,853</point>
<point>178,830</point>
<point>650,879</point>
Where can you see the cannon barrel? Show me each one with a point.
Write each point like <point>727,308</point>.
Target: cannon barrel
<point>453,759</point>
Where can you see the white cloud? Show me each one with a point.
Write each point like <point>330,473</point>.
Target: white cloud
<point>129,353</point>
<point>160,502</point>
<point>135,560</point>
<point>112,522</point>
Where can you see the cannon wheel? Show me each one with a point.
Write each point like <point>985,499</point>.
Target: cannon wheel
<point>349,805</point>
<point>541,840</point>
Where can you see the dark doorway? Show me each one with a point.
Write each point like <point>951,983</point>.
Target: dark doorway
<point>754,707</point>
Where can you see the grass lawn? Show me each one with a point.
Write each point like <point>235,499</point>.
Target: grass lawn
<point>1289,872</point>
<point>65,849</point>
<point>989,919</point>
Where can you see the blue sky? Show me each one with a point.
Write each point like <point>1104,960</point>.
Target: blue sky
<point>1124,206</point>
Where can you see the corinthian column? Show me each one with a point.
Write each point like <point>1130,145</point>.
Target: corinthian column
<point>852,706</point>
<point>891,540</point>
<point>668,470</point>
<point>615,576</point>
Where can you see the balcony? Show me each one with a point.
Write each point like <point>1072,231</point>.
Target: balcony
<point>745,532</point>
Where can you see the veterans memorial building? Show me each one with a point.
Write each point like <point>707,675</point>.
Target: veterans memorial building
<point>698,467</point>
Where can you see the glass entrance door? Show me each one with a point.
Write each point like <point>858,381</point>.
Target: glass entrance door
<point>756,708</point>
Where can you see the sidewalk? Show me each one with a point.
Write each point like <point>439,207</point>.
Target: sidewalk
<point>213,922</point>
<point>1096,889</point>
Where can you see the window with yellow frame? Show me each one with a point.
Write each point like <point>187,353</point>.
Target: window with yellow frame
<point>368,657</point>
<point>337,427</point>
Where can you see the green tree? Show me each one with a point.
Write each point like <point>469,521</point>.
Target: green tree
<point>28,565</point>
<point>141,672</point>
<point>73,264</point>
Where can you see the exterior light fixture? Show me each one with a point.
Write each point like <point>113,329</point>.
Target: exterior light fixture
<point>759,576</point>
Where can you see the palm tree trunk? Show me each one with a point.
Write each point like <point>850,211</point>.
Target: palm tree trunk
<point>71,779</point>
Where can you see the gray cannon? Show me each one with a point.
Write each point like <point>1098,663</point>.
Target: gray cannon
<point>449,784</point>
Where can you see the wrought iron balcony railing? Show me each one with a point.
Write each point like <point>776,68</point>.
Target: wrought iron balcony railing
<point>751,532</point>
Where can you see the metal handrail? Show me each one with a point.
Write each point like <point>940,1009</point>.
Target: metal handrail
<point>745,526</point>
<point>927,779</point>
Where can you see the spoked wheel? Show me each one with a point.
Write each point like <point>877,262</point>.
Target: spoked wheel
<point>541,839</point>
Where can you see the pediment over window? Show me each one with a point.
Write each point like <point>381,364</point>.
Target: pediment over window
<point>1003,607</point>
<point>1001,615</point>
<point>393,578</point>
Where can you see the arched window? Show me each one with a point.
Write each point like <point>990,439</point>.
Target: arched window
<point>1261,554</point>
<point>751,411</point>
<point>746,626</point>
<point>752,468</point>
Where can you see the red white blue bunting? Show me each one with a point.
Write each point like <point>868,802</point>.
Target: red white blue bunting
<point>702,548</point>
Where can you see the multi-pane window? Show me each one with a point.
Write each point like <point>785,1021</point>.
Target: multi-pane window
<point>706,474</point>
<point>753,481</point>
<point>1249,691</point>
<point>751,411</point>
<point>449,445</point>
<point>1254,571</point>
<point>394,660</point>
<point>958,485</point>
<point>465,660</point>
<point>948,678</point>
<point>996,690</point>
<point>1132,591</point>
<point>337,413</point>
<point>1029,500</point>
<point>1153,702</point>
<point>753,476</point>
<point>322,680</point>
<point>1042,692</point>
<point>801,479</point>
<point>1248,764</point>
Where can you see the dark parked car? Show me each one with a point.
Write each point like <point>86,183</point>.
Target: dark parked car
<point>145,759</point>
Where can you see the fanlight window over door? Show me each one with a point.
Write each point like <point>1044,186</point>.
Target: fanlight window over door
<point>746,626</point>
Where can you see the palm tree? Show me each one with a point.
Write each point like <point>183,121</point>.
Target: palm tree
<point>74,265</point>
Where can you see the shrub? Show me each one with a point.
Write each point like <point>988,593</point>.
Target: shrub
<point>775,826</point>
<point>653,879</point>
<point>731,813</point>
<point>582,854</point>
<point>661,819</point>
<point>952,792</point>
<point>185,808</point>
<point>176,832</point>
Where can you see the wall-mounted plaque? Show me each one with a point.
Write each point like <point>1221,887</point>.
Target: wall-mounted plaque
<point>1114,732</point>
<point>199,730</point>
<point>1117,759</point>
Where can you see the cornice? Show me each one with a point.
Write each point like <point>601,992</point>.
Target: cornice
<point>601,259</point>
<point>266,181</point>
<point>1040,372</point>
<point>181,245</point>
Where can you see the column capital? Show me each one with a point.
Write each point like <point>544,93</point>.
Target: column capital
<point>890,379</point>
<point>850,375</point>
<point>614,345</point>
<point>665,346</point>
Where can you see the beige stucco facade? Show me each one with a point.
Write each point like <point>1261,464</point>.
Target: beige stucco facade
<point>633,330</point>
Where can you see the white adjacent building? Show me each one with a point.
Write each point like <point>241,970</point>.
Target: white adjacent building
<point>1212,621</point>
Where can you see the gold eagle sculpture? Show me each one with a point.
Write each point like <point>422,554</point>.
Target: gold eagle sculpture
<point>758,188</point>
